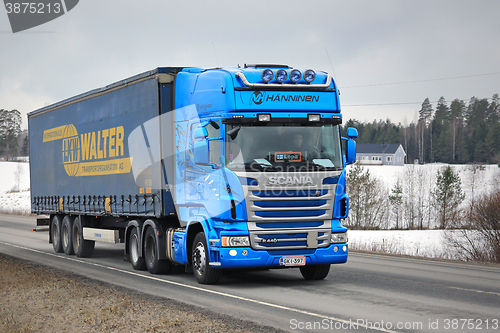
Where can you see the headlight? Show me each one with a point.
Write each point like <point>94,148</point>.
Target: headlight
<point>235,241</point>
<point>340,237</point>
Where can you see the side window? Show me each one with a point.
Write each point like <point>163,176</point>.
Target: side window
<point>214,145</point>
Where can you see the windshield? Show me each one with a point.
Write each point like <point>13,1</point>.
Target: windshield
<point>283,147</point>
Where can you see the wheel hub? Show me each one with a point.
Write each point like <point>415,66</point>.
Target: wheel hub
<point>199,258</point>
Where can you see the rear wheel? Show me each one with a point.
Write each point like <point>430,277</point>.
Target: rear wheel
<point>138,263</point>
<point>55,232</point>
<point>202,271</point>
<point>66,231</point>
<point>151,255</point>
<point>83,248</point>
<point>315,272</point>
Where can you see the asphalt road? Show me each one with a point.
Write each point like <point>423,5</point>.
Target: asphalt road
<point>371,293</point>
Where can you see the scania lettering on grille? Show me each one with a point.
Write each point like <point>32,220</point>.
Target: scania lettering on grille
<point>282,180</point>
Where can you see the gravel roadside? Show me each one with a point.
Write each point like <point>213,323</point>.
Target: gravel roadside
<point>36,298</point>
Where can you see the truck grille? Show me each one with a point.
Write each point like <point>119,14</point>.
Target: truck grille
<point>290,236</point>
<point>289,205</point>
<point>289,217</point>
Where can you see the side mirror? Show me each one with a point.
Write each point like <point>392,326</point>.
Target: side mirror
<point>352,133</point>
<point>200,151</point>
<point>350,151</point>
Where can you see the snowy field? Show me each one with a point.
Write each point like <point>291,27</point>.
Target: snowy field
<point>479,179</point>
<point>14,188</point>
<point>15,198</point>
<point>420,243</point>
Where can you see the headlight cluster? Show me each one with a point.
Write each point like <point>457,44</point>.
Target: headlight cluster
<point>282,75</point>
<point>235,241</point>
<point>340,237</point>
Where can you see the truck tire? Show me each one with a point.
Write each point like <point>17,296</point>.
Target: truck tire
<point>315,272</point>
<point>202,271</point>
<point>83,248</point>
<point>66,231</point>
<point>138,262</point>
<point>151,255</point>
<point>55,231</point>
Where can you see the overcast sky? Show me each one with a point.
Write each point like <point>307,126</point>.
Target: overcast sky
<point>384,54</point>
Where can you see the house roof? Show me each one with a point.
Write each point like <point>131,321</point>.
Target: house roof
<point>376,148</point>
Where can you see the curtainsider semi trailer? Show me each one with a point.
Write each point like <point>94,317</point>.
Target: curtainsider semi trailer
<point>210,169</point>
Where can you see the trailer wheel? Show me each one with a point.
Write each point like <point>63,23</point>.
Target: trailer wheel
<point>202,271</point>
<point>138,263</point>
<point>66,238</point>
<point>55,232</point>
<point>83,248</point>
<point>151,255</point>
<point>315,272</point>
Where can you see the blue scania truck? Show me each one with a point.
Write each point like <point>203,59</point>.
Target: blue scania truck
<point>210,169</point>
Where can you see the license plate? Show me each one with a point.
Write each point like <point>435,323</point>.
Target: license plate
<point>292,261</point>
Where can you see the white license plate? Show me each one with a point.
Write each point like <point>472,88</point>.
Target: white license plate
<point>292,261</point>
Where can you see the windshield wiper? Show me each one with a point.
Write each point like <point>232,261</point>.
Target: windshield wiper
<point>263,166</point>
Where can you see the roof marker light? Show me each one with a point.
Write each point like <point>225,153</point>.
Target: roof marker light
<point>309,76</point>
<point>295,75</point>
<point>264,117</point>
<point>314,117</point>
<point>281,75</point>
<point>267,75</point>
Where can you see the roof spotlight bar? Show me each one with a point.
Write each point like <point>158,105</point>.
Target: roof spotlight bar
<point>267,75</point>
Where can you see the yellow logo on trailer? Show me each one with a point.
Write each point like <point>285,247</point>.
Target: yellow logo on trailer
<point>91,154</point>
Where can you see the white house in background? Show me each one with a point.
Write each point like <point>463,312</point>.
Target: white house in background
<point>380,154</point>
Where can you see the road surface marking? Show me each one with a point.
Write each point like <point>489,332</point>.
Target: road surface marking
<point>277,306</point>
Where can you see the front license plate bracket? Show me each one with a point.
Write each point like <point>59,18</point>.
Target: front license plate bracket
<point>292,261</point>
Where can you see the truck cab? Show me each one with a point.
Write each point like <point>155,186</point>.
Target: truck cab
<point>263,174</point>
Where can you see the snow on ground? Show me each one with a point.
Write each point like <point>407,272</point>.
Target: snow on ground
<point>484,178</point>
<point>421,243</point>
<point>14,188</point>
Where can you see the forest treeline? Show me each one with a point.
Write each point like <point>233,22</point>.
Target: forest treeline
<point>13,141</point>
<point>456,132</point>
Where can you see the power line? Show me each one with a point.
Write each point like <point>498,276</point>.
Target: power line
<point>384,104</point>
<point>403,103</point>
<point>419,81</point>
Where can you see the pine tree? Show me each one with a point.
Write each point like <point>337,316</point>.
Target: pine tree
<point>10,129</point>
<point>447,196</point>
<point>396,200</point>
<point>425,115</point>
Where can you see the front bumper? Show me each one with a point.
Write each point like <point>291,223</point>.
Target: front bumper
<point>270,259</point>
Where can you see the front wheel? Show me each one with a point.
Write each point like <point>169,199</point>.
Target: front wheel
<point>153,263</point>
<point>315,272</point>
<point>202,271</point>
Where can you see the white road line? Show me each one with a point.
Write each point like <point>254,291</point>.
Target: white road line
<point>476,291</point>
<point>205,290</point>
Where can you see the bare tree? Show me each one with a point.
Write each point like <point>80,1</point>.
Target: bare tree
<point>479,239</point>
<point>18,176</point>
<point>368,207</point>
